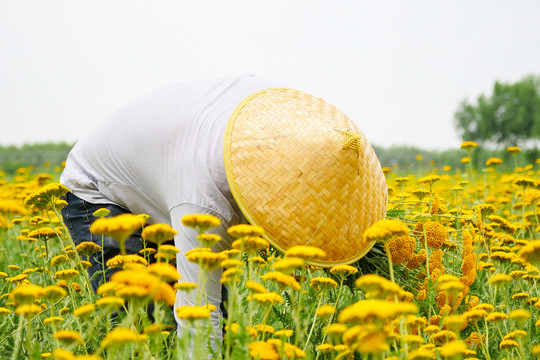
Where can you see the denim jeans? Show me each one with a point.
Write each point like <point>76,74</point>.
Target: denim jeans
<point>78,217</point>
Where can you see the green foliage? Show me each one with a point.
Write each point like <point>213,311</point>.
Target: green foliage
<point>509,116</point>
<point>34,155</point>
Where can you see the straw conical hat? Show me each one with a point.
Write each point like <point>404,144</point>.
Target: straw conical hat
<point>301,170</point>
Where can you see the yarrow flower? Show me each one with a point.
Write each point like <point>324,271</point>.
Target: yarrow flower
<point>121,336</point>
<point>383,230</point>
<point>118,227</point>
<point>202,222</point>
<point>343,271</point>
<point>268,298</point>
<point>46,197</point>
<point>192,313</point>
<point>158,233</point>
<point>68,337</point>
<point>322,283</point>
<point>242,230</point>
<point>283,280</point>
<point>305,252</point>
<point>468,145</point>
<point>250,244</point>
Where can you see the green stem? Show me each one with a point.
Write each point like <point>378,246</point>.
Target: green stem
<point>313,323</point>
<point>17,347</point>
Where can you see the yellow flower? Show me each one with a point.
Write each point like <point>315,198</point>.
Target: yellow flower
<point>496,317</point>
<point>46,197</point>
<point>336,329</point>
<point>185,286</point>
<point>192,313</point>
<point>284,333</point>
<point>263,351</point>
<point>290,351</point>
<point>517,334</point>
<point>508,344</point>
<point>499,279</point>
<point>283,280</point>
<point>519,315</point>
<point>401,248</point>
<point>26,294</point>
<point>28,309</point>
<point>435,234</point>
<point>264,328</point>
<point>322,283</point>
<point>118,227</point>
<point>208,260</point>
<point>153,329</point>
<point>59,260</point>
<point>164,271</point>
<point>231,263</point>
<point>68,337</point>
<point>377,285</point>
<point>109,288</point>
<point>465,160</point>
<point>432,329</point>
<point>483,210</point>
<point>531,252</point>
<point>402,180</point>
<point>53,320</point>
<point>53,293</point>
<point>241,230</point>
<point>102,212</point>
<point>520,296</point>
<point>255,287</point>
<point>110,302</point>
<point>343,271</point>
<point>120,260</point>
<point>453,349</point>
<point>62,354</point>
<point>250,244</point>
<point>493,161</point>
<point>158,233</point>
<point>325,348</point>
<point>325,311</point>
<point>87,248</point>
<point>231,275</point>
<point>369,310</point>
<point>383,230</point>
<point>365,339</point>
<point>289,264</point>
<point>468,145</point>
<point>4,311</point>
<point>443,337</point>
<point>202,222</point>
<point>44,234</point>
<point>120,337</point>
<point>66,274</point>
<point>268,298</point>
<point>475,315</point>
<point>208,240</point>
<point>305,252</point>
<point>84,311</point>
<point>513,149</point>
<point>429,180</point>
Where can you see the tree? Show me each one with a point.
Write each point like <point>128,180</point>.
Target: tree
<point>509,116</point>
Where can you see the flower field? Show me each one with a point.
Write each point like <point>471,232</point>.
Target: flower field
<point>453,274</point>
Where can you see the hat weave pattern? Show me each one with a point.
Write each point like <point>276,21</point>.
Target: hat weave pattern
<point>299,168</point>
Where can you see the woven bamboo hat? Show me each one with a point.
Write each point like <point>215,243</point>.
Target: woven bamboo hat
<point>301,169</point>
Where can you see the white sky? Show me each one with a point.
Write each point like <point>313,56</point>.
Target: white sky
<point>397,68</point>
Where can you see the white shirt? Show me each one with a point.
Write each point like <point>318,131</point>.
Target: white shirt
<point>163,156</point>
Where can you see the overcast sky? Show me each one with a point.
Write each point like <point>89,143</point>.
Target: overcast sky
<point>398,68</point>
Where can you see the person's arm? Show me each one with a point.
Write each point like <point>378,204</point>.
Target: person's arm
<point>185,240</point>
